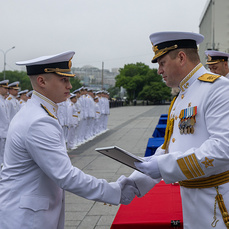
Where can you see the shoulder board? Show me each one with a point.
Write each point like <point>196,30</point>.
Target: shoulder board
<point>48,112</point>
<point>9,98</point>
<point>208,77</point>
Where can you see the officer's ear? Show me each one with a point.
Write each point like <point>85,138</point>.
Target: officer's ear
<point>182,57</point>
<point>41,81</point>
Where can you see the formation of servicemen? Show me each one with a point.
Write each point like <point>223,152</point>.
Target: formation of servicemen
<point>83,116</point>
<point>11,101</point>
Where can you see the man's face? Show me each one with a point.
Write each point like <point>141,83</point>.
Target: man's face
<point>3,91</point>
<point>74,100</point>
<point>24,97</point>
<point>57,88</point>
<point>168,69</point>
<point>218,68</point>
<point>13,92</point>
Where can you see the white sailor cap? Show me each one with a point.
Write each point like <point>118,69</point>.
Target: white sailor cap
<point>23,92</point>
<point>215,57</point>
<point>59,64</point>
<point>96,97</point>
<point>72,95</point>
<point>29,94</point>
<point>163,42</point>
<point>4,83</point>
<point>76,91</point>
<point>14,85</point>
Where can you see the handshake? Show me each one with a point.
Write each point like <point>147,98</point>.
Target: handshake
<point>128,186</point>
<point>128,190</point>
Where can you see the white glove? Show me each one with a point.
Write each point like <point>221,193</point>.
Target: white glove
<point>128,190</point>
<point>149,167</point>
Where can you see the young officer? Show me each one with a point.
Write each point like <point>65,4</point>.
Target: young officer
<point>37,168</point>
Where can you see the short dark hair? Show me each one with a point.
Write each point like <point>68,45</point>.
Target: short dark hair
<point>192,54</point>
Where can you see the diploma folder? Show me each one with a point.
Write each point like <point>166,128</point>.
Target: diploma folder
<point>120,155</point>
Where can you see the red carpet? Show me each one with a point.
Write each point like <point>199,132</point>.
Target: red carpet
<point>155,210</point>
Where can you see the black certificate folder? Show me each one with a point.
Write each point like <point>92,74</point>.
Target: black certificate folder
<point>120,155</point>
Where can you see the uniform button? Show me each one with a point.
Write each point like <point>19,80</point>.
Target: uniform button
<point>182,96</point>
<point>173,140</point>
<point>175,117</point>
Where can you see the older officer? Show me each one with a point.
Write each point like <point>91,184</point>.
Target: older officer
<point>11,100</point>
<point>4,117</point>
<point>37,168</point>
<point>218,62</point>
<point>196,147</point>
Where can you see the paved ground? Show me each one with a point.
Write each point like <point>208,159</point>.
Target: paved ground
<point>129,128</point>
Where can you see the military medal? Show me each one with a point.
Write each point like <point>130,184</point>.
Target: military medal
<point>187,120</point>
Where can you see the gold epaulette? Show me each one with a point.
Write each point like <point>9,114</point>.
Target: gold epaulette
<point>9,98</point>
<point>208,77</point>
<point>49,113</point>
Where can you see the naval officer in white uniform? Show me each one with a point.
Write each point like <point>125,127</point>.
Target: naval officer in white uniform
<point>218,62</point>
<point>11,100</point>
<point>4,117</point>
<point>37,168</point>
<point>196,147</point>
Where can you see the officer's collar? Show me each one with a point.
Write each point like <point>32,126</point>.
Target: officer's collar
<point>190,78</point>
<point>47,103</point>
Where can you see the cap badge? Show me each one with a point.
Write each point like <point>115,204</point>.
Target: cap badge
<point>155,48</point>
<point>209,58</point>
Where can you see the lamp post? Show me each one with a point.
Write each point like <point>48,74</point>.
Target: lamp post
<point>4,53</point>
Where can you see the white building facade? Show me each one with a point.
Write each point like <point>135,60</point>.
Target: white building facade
<point>214,25</point>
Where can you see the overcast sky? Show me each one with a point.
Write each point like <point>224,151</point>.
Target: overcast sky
<point>115,32</point>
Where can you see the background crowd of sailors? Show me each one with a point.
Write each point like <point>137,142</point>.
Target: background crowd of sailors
<point>83,116</point>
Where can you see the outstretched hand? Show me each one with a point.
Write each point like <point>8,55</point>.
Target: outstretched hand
<point>128,190</point>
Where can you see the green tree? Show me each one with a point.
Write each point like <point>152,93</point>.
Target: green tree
<point>156,92</point>
<point>140,81</point>
<point>75,82</point>
<point>132,78</point>
<point>114,92</point>
<point>20,76</point>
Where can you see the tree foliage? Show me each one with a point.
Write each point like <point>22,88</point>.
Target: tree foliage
<point>20,76</point>
<point>75,82</point>
<point>141,82</point>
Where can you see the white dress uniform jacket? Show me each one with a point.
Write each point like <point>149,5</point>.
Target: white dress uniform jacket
<point>13,106</point>
<point>4,118</point>
<point>201,154</point>
<point>4,125</point>
<point>37,170</point>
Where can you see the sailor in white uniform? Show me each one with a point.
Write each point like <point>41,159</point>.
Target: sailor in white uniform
<point>23,97</point>
<point>196,147</point>
<point>4,117</point>
<point>11,100</point>
<point>218,62</point>
<point>73,123</point>
<point>96,127</point>
<point>37,168</point>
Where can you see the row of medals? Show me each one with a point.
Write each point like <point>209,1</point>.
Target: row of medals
<point>186,125</point>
